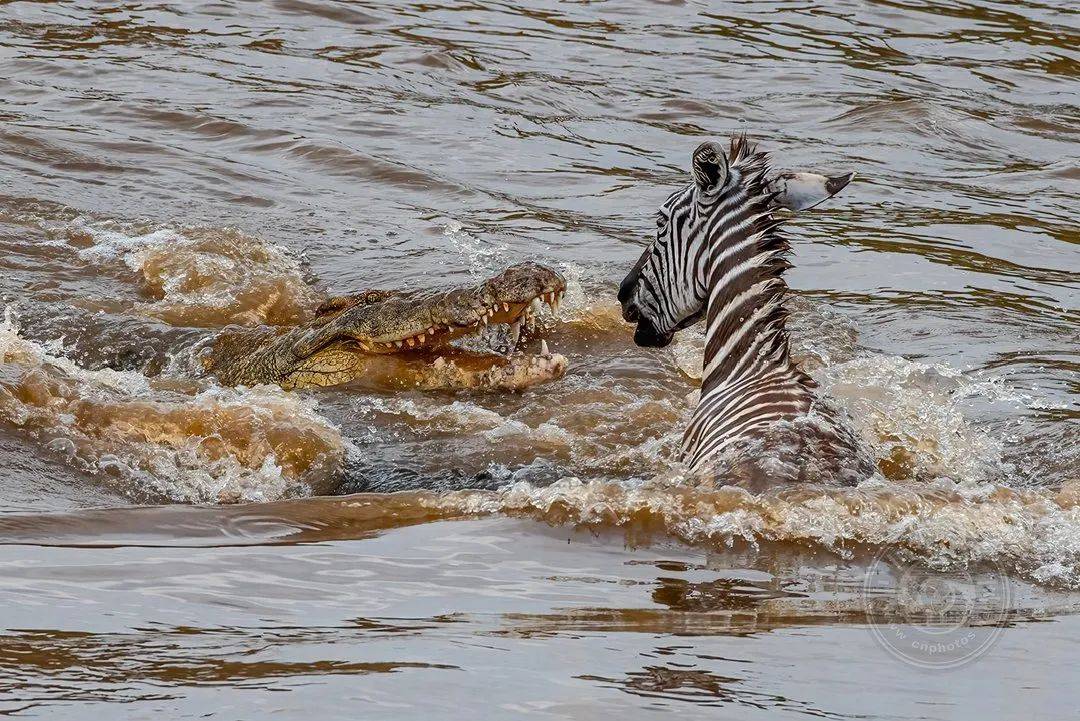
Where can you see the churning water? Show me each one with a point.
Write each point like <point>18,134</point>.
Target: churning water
<point>167,169</point>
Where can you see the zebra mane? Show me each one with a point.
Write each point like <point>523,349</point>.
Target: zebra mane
<point>745,315</point>
<point>744,154</point>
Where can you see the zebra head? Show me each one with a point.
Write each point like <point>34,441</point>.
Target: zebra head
<point>666,290</point>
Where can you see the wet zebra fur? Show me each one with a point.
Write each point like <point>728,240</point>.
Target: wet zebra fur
<point>720,251</point>
<point>748,381</point>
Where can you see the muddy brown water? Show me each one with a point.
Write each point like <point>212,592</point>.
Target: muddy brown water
<point>170,168</point>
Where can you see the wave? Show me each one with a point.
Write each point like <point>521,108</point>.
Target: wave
<point>202,277</point>
<point>154,440</point>
<point>945,525</point>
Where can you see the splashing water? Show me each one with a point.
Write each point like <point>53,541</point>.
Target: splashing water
<point>159,441</point>
<point>204,277</point>
<point>946,525</point>
<point>943,493</point>
<point>481,256</point>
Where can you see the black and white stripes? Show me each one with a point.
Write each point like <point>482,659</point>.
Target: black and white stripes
<point>719,251</point>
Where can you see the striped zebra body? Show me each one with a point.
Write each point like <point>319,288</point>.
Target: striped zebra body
<point>719,252</point>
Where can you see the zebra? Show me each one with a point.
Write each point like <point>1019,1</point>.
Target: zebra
<point>719,253</point>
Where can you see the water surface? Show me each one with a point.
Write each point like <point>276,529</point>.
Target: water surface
<point>170,168</point>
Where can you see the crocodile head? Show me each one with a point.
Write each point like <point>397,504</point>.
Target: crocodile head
<point>390,322</point>
<point>401,339</point>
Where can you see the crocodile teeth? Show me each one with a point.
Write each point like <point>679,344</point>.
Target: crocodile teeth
<point>431,330</point>
<point>506,307</point>
<point>411,342</point>
<point>515,334</point>
<point>399,343</point>
<point>421,339</point>
<point>543,347</point>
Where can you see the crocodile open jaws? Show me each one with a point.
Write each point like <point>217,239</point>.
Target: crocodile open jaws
<point>391,339</point>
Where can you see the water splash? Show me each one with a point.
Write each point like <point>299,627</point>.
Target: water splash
<point>481,256</point>
<point>166,440</point>
<point>204,277</point>
<point>945,526</point>
<point>911,414</point>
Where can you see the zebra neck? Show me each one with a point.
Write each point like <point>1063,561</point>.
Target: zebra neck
<point>748,381</point>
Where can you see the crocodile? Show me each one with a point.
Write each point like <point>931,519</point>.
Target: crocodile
<point>397,339</point>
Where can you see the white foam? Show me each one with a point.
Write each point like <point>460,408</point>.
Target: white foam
<point>203,276</point>
<point>947,502</point>
<point>482,256</point>
<point>216,445</point>
<point>1026,533</point>
<point>911,413</point>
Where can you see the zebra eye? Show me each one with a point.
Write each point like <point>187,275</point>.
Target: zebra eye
<point>661,220</point>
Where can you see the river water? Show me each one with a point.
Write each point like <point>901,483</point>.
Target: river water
<point>170,168</point>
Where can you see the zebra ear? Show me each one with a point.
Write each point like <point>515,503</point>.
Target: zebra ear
<point>709,166</point>
<point>802,191</point>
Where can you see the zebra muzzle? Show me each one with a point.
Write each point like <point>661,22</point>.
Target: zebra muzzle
<point>647,336</point>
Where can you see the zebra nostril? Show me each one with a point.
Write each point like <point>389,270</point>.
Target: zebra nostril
<point>630,313</point>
